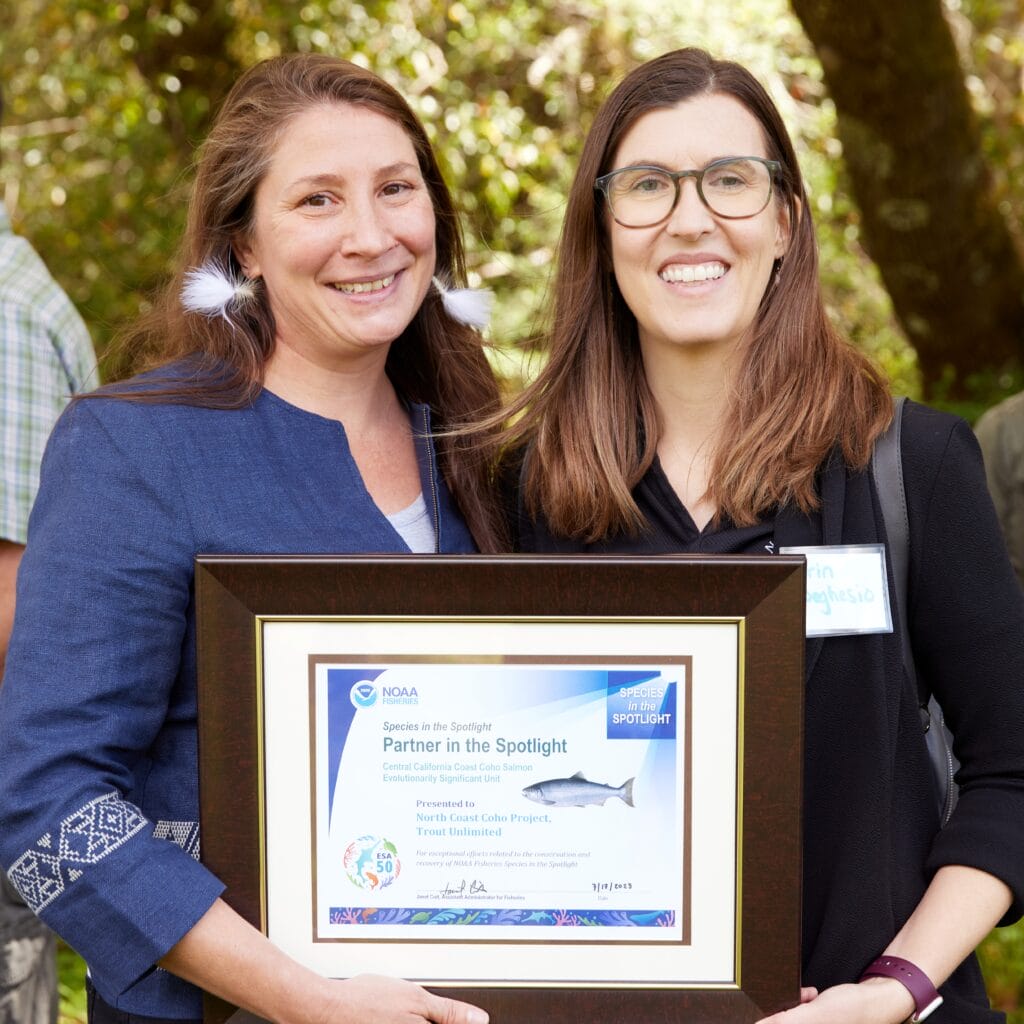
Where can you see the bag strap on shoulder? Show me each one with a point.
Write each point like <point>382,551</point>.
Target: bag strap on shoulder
<point>887,469</point>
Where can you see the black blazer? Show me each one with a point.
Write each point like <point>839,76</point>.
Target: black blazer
<point>871,830</point>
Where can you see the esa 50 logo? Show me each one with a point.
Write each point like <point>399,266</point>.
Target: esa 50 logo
<point>371,862</point>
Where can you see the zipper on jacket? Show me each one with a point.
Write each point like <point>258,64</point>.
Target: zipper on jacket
<point>950,802</point>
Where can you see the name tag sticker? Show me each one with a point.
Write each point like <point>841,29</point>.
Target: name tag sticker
<point>847,590</point>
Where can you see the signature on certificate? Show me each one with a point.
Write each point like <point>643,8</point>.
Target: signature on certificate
<point>475,887</point>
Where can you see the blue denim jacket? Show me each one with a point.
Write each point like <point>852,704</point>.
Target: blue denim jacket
<point>98,765</point>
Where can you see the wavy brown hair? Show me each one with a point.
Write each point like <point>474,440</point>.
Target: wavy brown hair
<point>801,389</point>
<point>437,360</point>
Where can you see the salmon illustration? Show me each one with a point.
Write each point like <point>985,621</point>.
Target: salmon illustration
<point>577,791</point>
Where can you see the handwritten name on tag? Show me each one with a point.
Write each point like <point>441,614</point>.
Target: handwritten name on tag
<point>847,590</point>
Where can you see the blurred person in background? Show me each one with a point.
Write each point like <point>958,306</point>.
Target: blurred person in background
<point>46,356</point>
<point>1000,433</point>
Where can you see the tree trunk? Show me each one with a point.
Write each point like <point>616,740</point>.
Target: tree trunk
<point>913,152</point>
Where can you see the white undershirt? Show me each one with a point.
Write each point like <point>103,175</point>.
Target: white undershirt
<point>415,527</point>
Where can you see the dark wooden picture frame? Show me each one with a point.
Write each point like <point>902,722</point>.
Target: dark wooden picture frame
<point>768,594</point>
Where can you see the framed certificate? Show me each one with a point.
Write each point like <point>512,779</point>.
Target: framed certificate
<point>561,788</point>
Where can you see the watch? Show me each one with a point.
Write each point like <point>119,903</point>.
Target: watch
<point>926,998</point>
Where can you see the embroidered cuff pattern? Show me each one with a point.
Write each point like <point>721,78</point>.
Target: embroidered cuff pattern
<point>183,833</point>
<point>86,837</point>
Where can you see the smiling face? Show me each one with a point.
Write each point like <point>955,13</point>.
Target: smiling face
<point>342,235</point>
<point>696,278</point>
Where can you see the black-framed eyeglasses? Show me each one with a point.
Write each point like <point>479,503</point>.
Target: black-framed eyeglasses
<point>733,187</point>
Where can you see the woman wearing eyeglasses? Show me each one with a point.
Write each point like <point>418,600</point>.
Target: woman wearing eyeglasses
<point>697,399</point>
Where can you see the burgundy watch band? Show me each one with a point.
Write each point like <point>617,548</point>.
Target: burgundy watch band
<point>917,983</point>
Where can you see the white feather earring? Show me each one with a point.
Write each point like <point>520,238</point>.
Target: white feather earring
<point>212,288</point>
<point>470,306</point>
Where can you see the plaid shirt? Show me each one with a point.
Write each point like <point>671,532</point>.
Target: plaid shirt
<point>46,356</point>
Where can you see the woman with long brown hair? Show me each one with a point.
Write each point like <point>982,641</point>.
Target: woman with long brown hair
<point>696,398</point>
<point>304,353</point>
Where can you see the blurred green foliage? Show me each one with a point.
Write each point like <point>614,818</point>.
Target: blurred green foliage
<point>1002,959</point>
<point>990,37</point>
<point>106,101</point>
<point>71,986</point>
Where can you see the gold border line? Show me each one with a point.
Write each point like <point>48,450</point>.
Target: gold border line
<point>568,983</point>
<point>261,774</point>
<point>741,655</point>
<point>734,620</point>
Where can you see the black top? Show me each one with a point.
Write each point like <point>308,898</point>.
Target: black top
<point>871,831</point>
<point>670,529</point>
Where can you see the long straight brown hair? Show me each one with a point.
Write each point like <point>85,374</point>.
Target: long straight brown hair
<point>801,390</point>
<point>437,360</point>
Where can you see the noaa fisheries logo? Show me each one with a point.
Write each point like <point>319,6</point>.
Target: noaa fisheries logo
<point>363,694</point>
<point>371,862</point>
<point>399,695</point>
